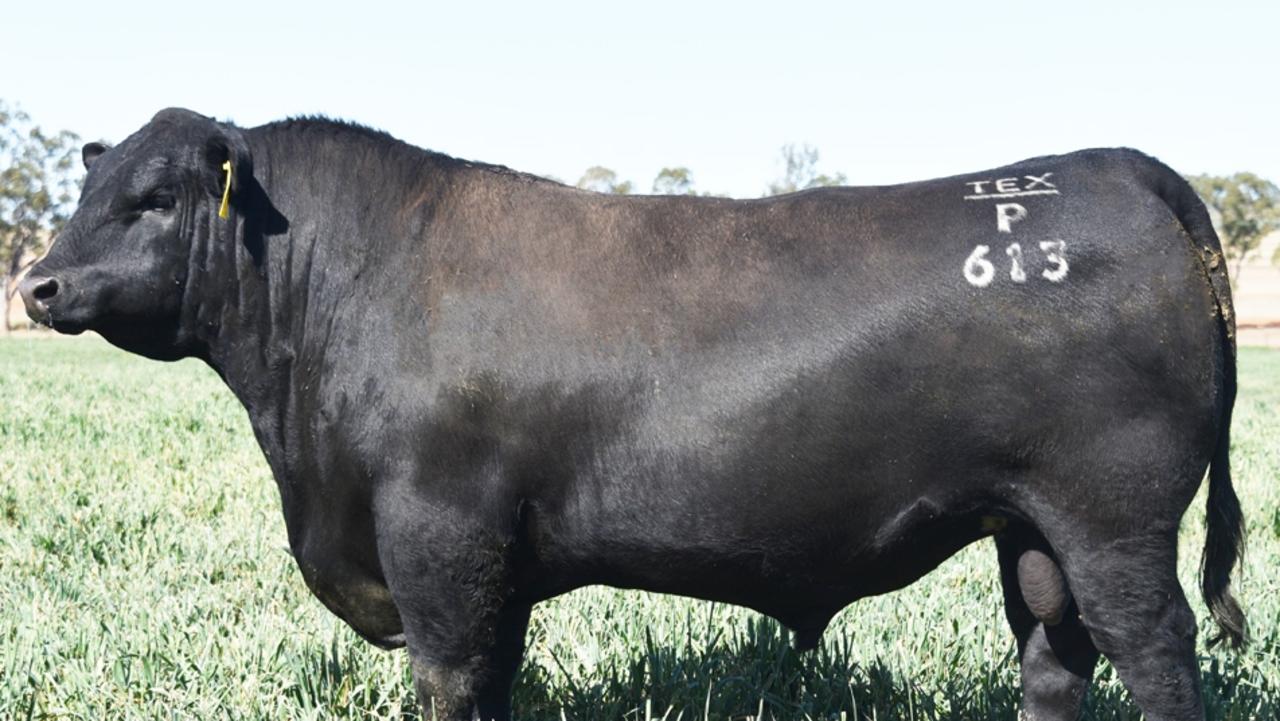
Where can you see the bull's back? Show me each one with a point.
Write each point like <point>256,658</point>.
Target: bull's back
<point>711,381</point>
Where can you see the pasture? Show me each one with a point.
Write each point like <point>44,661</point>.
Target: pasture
<point>144,574</point>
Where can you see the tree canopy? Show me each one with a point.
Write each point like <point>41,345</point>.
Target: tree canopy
<point>800,171</point>
<point>603,180</point>
<point>39,179</point>
<point>1244,208</point>
<point>674,181</point>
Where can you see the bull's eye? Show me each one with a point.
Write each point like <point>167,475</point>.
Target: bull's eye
<point>159,202</point>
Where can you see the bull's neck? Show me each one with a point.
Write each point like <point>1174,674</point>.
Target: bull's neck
<point>238,303</point>
<point>286,256</point>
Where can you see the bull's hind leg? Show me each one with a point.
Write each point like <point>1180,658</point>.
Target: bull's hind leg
<point>1138,617</point>
<point>493,701</point>
<point>1054,649</point>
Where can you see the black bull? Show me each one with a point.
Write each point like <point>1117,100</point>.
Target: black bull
<point>478,389</point>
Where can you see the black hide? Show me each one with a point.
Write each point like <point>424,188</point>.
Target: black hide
<point>478,389</point>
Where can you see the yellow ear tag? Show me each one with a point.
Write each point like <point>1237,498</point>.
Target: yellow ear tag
<point>226,193</point>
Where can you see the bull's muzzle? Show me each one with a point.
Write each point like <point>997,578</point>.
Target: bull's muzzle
<point>38,292</point>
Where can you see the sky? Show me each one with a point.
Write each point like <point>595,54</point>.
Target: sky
<point>887,91</point>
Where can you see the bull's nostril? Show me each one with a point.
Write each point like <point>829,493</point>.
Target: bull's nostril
<point>46,289</point>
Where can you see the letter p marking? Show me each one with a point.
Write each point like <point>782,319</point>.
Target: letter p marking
<point>1007,214</point>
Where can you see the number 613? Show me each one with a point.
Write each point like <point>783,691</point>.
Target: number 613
<point>980,272</point>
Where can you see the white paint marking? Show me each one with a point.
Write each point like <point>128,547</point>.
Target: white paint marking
<point>1054,250</point>
<point>1007,214</point>
<point>1007,185</point>
<point>1016,273</point>
<point>977,185</point>
<point>1018,194</point>
<point>977,269</point>
<point>1038,180</point>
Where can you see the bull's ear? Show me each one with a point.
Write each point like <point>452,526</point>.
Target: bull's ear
<point>228,144</point>
<point>91,151</point>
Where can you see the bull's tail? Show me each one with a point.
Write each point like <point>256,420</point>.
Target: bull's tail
<point>1224,542</point>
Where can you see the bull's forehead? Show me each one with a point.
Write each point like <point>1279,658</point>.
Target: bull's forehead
<point>156,148</point>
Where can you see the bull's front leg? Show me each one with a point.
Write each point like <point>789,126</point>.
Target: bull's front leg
<point>448,572</point>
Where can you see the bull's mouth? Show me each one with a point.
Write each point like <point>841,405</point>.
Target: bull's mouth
<point>66,327</point>
<point>51,318</point>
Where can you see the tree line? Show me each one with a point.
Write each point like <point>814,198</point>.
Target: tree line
<point>799,172</point>
<point>40,179</point>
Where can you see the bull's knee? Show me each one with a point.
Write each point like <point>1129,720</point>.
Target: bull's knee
<point>1043,587</point>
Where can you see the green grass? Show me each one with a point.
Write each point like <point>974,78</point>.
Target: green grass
<point>144,574</point>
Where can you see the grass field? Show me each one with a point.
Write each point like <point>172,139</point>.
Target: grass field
<point>144,574</point>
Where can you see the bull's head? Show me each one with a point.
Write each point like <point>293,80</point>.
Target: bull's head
<point>122,264</point>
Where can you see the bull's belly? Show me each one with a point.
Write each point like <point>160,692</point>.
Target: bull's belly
<point>801,575</point>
